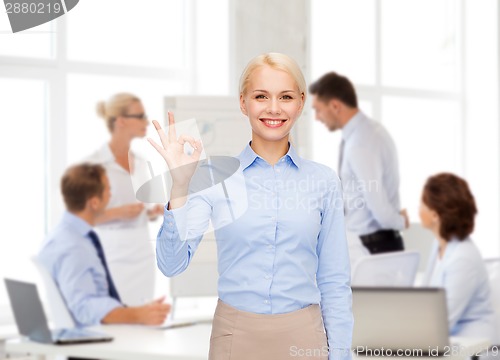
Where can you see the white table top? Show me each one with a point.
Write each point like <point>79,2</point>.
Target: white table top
<point>130,343</point>
<point>185,343</point>
<point>8,332</point>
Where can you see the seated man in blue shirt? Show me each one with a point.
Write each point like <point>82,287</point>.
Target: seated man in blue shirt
<point>74,256</point>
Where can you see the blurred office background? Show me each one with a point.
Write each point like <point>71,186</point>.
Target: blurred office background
<point>427,69</point>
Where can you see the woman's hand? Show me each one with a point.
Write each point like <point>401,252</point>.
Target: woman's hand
<point>181,165</point>
<point>129,211</point>
<point>155,211</point>
<point>124,212</point>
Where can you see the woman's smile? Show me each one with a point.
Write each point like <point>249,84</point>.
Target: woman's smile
<point>273,123</point>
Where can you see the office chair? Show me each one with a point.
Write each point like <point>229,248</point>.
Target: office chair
<point>493,267</point>
<point>60,314</point>
<point>417,238</point>
<point>393,269</point>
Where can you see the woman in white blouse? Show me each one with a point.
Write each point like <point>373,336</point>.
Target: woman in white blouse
<point>448,210</point>
<point>123,228</point>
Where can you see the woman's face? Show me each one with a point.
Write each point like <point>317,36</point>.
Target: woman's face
<point>272,102</point>
<point>428,217</point>
<point>134,120</point>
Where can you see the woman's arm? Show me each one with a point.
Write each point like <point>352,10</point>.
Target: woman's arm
<point>154,211</point>
<point>333,275</point>
<point>128,211</point>
<point>181,233</point>
<point>184,221</point>
<point>460,280</point>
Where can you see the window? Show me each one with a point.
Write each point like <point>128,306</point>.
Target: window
<point>51,78</point>
<point>212,50</point>
<point>343,39</point>
<point>23,176</point>
<point>149,33</point>
<point>34,43</point>
<point>419,56</point>
<point>429,72</point>
<point>427,132</point>
<point>86,131</point>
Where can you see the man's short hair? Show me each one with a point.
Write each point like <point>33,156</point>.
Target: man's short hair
<point>80,183</point>
<point>334,86</point>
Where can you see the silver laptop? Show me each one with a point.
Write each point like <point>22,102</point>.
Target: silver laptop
<point>400,321</point>
<point>31,320</point>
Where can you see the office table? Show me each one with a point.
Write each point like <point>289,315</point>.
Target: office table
<point>185,343</point>
<point>130,343</point>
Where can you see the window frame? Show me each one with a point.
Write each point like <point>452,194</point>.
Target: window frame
<point>376,92</point>
<point>55,71</point>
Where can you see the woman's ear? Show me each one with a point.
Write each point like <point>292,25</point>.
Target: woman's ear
<point>434,217</point>
<point>119,122</point>
<point>243,106</point>
<point>302,101</point>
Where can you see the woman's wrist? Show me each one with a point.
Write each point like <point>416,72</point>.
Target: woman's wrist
<point>108,215</point>
<point>178,196</point>
<point>178,191</point>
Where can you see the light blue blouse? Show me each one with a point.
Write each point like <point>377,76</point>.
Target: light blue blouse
<point>462,273</point>
<point>286,250</point>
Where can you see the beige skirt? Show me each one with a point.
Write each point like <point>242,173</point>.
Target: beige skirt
<point>242,335</point>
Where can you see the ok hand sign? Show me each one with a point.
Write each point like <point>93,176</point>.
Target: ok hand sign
<point>181,165</point>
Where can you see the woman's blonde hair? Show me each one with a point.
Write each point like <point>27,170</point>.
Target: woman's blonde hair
<point>117,105</point>
<point>276,61</point>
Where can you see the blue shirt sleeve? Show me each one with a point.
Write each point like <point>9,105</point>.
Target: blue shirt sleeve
<point>181,233</point>
<point>80,288</point>
<point>333,275</point>
<point>461,284</point>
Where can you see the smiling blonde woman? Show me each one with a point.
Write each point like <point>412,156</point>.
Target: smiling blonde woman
<point>283,265</point>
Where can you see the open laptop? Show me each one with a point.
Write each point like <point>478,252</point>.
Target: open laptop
<point>31,320</point>
<point>411,321</point>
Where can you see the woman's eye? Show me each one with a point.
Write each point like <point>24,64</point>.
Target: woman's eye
<point>260,97</point>
<point>287,97</point>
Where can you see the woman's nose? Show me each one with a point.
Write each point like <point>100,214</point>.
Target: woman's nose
<point>274,107</point>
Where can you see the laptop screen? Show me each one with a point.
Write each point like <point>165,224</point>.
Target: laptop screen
<point>31,320</point>
<point>400,320</point>
<point>28,310</point>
